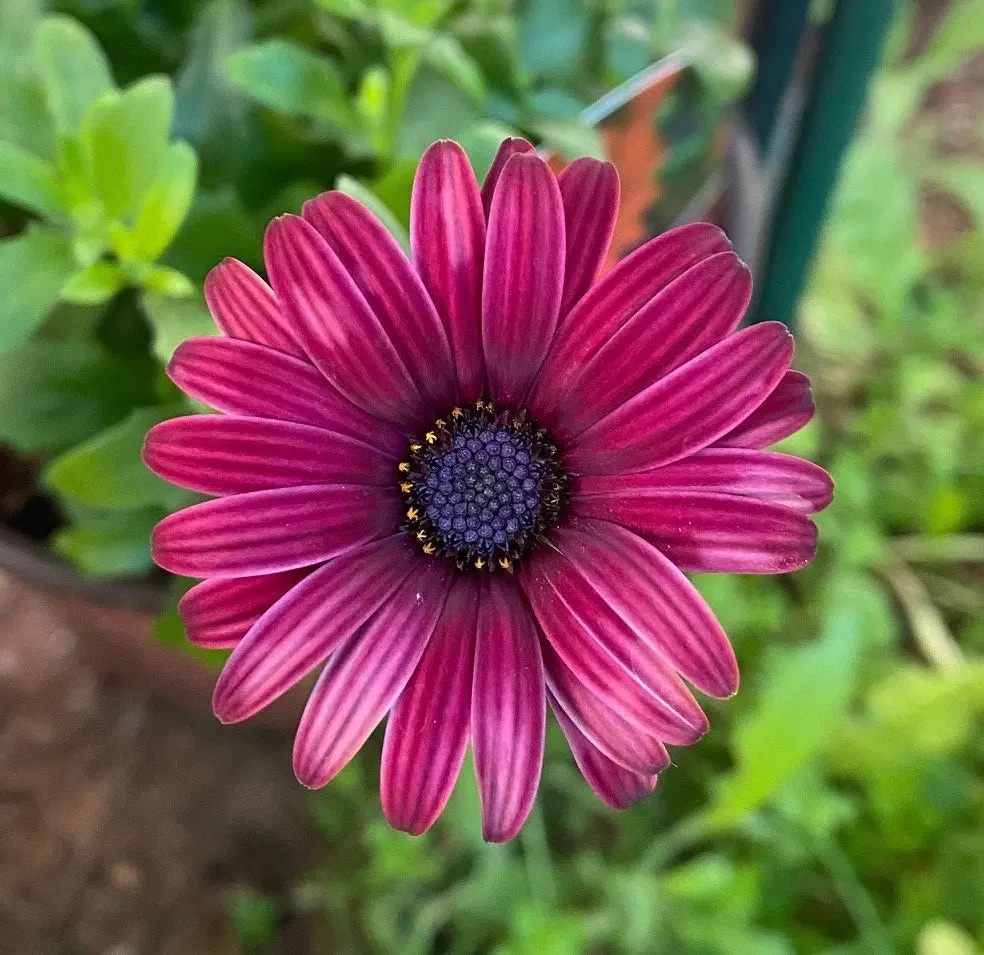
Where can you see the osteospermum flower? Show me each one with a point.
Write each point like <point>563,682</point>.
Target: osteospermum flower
<point>468,486</point>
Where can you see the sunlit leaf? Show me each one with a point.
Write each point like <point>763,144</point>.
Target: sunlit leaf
<point>106,471</point>
<point>73,69</point>
<point>34,268</point>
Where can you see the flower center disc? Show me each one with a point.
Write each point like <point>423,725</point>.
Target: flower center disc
<point>482,487</point>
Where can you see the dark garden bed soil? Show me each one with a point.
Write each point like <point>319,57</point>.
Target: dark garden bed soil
<point>125,826</point>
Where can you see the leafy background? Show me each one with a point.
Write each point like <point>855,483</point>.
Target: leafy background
<point>837,806</point>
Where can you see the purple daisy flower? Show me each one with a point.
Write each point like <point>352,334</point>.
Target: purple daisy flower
<point>468,486</point>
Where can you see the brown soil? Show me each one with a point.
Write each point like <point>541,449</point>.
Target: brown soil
<point>123,824</point>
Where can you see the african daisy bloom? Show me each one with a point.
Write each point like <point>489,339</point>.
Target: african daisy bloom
<point>467,487</point>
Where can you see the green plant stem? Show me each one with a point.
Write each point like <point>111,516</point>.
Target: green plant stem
<point>855,896</point>
<point>539,865</point>
<point>678,838</point>
<point>952,548</point>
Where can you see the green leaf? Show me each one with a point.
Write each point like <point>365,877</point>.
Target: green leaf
<point>434,108</point>
<point>110,545</point>
<point>126,138</point>
<point>293,80</point>
<point>29,182</point>
<point>175,319</point>
<point>94,285</point>
<point>964,180</point>
<point>34,268</point>
<point>724,65</point>
<point>46,398</point>
<point>552,36</point>
<point>210,112</point>
<point>801,702</point>
<point>569,137</point>
<point>24,117</point>
<point>960,35</point>
<point>166,203</point>
<point>73,69</point>
<point>376,206</point>
<point>446,54</point>
<point>107,472</point>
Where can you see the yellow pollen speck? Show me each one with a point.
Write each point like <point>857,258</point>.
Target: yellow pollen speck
<point>480,404</point>
<point>429,548</point>
<point>406,487</point>
<point>457,413</point>
<point>413,513</point>
<point>430,437</point>
<point>479,564</point>
<point>404,466</point>
<point>416,446</point>
<point>505,563</point>
<point>421,535</point>
<point>440,423</point>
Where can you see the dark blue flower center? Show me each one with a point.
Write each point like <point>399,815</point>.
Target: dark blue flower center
<point>482,488</point>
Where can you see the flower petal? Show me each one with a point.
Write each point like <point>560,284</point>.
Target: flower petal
<point>709,533</point>
<point>784,412</point>
<point>691,314</point>
<point>621,742</point>
<point>301,629</point>
<point>508,709</point>
<point>655,599</point>
<point>427,732</point>
<point>366,674</point>
<point>606,656</point>
<point>509,147</point>
<point>524,275</point>
<point>392,288</point>
<point>447,235</point>
<point>217,613</point>
<point>242,378</point>
<point>219,454</point>
<point>244,307</point>
<point>780,478</point>
<point>612,302</point>
<point>614,785</point>
<point>268,531</point>
<point>339,331</point>
<point>590,191</point>
<point>689,408</point>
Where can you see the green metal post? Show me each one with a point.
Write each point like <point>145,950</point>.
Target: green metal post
<point>849,53</point>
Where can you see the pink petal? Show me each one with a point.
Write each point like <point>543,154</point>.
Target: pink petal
<point>241,378</point>
<point>780,478</point>
<point>784,412</point>
<point>300,631</point>
<point>524,275</point>
<point>690,315</point>
<point>590,191</point>
<point>689,408</point>
<point>614,785</point>
<point>508,709</point>
<point>217,613</point>
<point>612,302</point>
<point>707,533</point>
<point>392,288</point>
<point>264,532</point>
<point>654,598</point>
<point>427,732</point>
<point>621,742</point>
<point>606,657</point>
<point>244,307</point>
<point>367,673</point>
<point>218,454</point>
<point>512,146</point>
<point>447,235</point>
<point>336,326</point>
